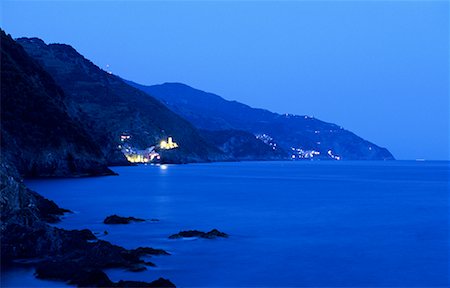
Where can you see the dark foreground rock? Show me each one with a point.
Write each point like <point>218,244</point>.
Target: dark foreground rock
<point>116,219</point>
<point>74,256</point>
<point>74,273</point>
<point>195,233</point>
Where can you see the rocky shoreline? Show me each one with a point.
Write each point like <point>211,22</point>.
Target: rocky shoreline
<point>74,256</point>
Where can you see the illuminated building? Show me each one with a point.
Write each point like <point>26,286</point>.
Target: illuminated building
<point>169,144</point>
<point>147,155</point>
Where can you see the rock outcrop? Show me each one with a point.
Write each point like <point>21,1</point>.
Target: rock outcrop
<point>195,233</point>
<point>115,219</point>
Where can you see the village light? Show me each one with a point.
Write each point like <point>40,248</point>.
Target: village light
<point>169,144</point>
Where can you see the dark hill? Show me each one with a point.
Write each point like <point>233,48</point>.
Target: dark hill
<point>108,107</point>
<point>212,112</point>
<point>41,139</point>
<point>242,145</point>
<point>37,134</point>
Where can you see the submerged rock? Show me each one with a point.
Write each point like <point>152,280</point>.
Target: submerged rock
<point>161,283</point>
<point>195,233</point>
<point>149,251</point>
<point>215,233</point>
<point>148,263</point>
<point>137,268</point>
<point>115,219</point>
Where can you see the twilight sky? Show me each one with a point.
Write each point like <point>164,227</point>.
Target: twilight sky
<point>378,68</point>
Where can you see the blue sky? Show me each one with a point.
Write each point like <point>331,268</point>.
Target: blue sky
<point>377,68</point>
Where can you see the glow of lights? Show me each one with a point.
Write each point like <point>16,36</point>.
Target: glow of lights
<point>169,144</point>
<point>163,167</point>
<point>333,156</point>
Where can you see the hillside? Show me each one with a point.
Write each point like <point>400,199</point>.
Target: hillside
<point>108,108</point>
<point>300,135</point>
<point>242,145</point>
<point>38,135</point>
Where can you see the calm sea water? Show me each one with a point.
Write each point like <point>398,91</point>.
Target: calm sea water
<point>343,224</point>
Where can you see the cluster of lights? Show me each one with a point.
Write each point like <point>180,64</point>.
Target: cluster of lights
<point>298,153</point>
<point>267,139</point>
<point>169,144</point>
<point>147,155</point>
<point>124,138</point>
<point>140,156</point>
<point>335,157</point>
<point>137,158</point>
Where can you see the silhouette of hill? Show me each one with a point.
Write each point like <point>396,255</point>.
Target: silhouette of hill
<point>298,134</point>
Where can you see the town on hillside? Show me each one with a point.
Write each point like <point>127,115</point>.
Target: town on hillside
<point>147,155</point>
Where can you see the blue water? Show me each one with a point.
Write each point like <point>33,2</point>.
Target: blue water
<point>343,224</point>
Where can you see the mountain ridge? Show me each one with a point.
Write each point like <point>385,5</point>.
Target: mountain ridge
<point>297,133</point>
<point>109,107</point>
<point>38,135</point>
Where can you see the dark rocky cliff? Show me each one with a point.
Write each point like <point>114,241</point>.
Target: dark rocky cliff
<point>39,138</point>
<point>38,135</point>
<point>108,107</point>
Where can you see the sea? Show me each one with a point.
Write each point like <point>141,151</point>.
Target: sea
<point>290,224</point>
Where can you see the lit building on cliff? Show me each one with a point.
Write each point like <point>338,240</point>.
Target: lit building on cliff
<point>147,155</point>
<point>169,144</point>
